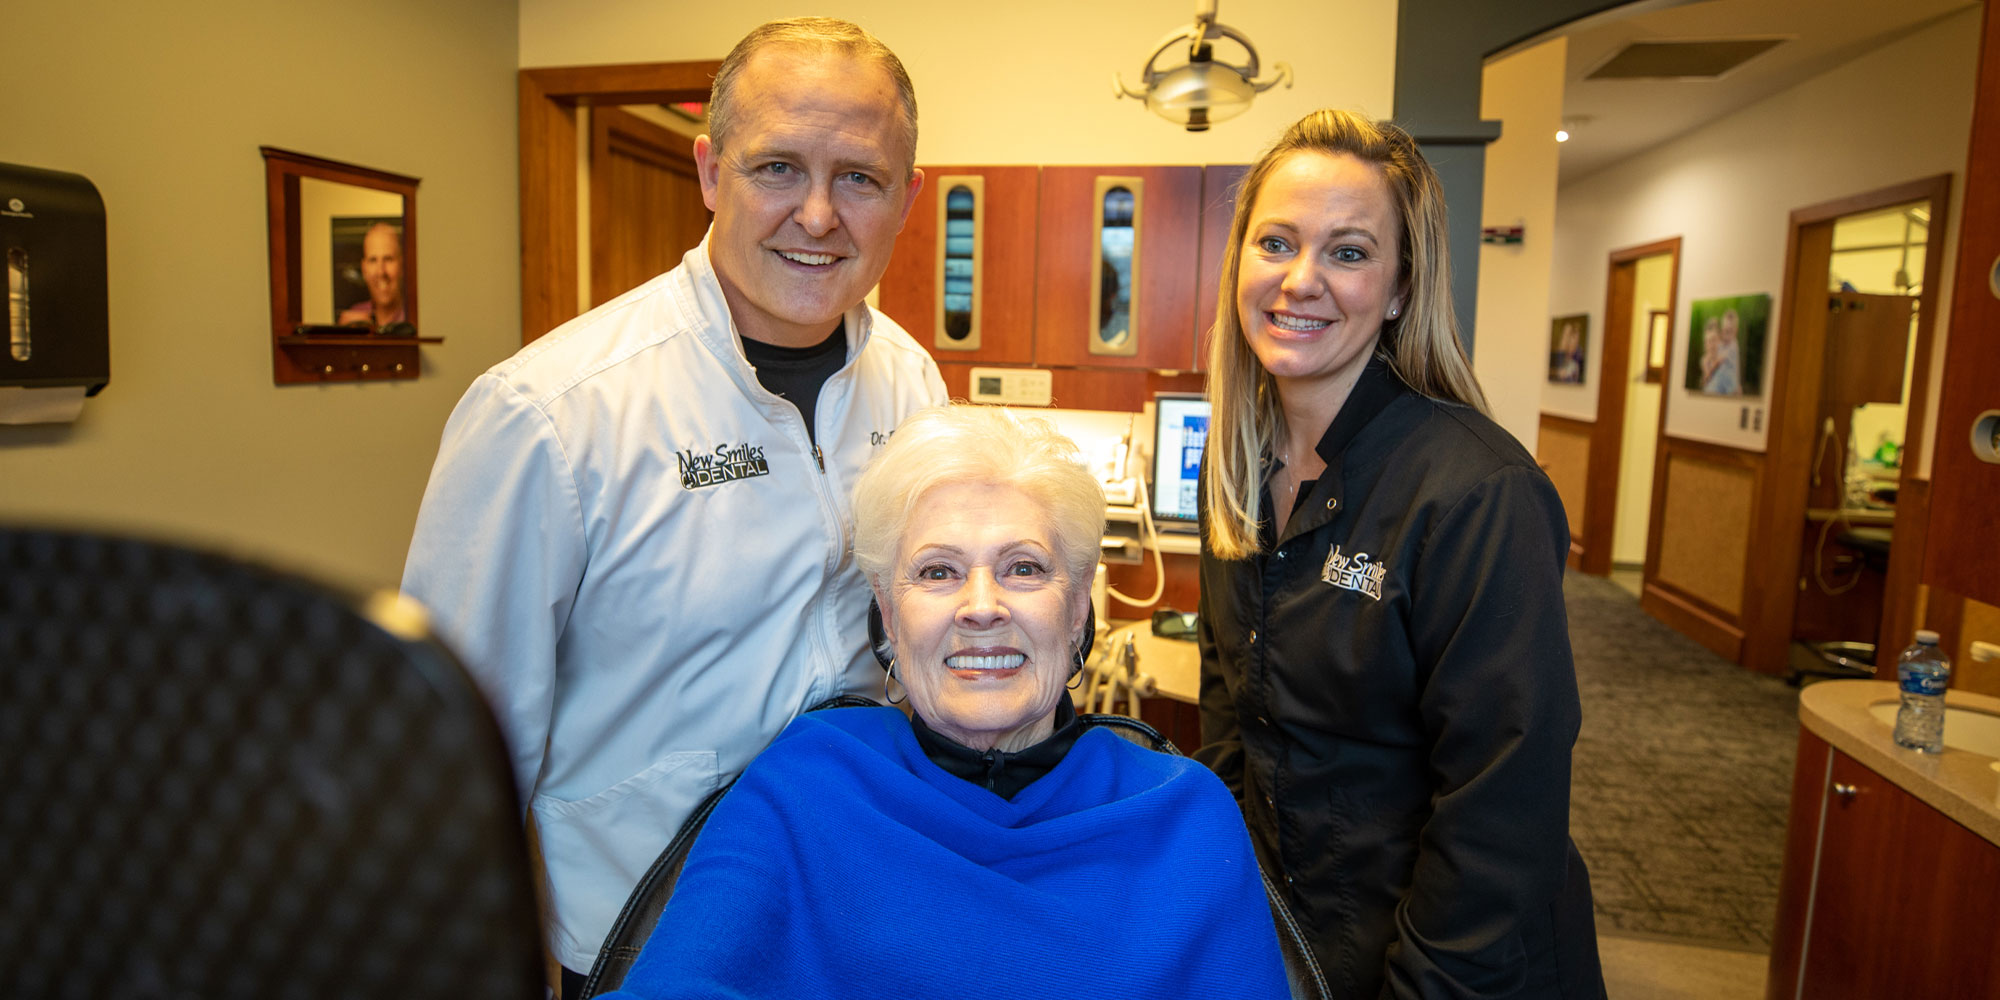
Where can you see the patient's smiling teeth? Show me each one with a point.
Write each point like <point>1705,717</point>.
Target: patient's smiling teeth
<point>807,258</point>
<point>1003,661</point>
<point>1298,324</point>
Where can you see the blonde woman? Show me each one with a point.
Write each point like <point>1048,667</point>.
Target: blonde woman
<point>1386,673</point>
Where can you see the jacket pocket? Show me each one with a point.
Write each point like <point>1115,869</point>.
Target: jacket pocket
<point>597,848</point>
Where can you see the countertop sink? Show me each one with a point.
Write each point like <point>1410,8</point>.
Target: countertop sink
<point>1856,718</point>
<point>1965,729</point>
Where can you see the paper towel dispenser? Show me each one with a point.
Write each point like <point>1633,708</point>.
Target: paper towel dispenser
<point>57,312</point>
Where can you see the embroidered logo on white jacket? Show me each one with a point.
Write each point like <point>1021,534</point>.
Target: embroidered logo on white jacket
<point>726,463</point>
<point>1354,573</point>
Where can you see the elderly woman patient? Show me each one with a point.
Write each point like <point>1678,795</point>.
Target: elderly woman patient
<point>993,845</point>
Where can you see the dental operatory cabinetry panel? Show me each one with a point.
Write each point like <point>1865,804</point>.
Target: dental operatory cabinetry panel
<point>1102,269</point>
<point>1883,894</point>
<point>962,279</point>
<point>1115,266</point>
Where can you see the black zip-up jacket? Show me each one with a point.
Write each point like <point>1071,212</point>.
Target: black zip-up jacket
<point>1388,689</point>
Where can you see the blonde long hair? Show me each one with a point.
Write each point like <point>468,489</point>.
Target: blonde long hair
<point>1421,346</point>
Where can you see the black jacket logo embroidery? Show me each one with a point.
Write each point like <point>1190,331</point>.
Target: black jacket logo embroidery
<point>1354,573</point>
<point>726,463</point>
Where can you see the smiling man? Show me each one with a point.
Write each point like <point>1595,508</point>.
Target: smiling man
<point>636,532</point>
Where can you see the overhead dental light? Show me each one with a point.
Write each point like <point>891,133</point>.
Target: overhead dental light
<point>1198,90</point>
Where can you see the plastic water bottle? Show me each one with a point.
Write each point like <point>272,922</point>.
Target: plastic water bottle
<point>1922,673</point>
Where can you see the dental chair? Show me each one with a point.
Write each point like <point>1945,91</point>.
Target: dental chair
<point>649,898</point>
<point>220,781</point>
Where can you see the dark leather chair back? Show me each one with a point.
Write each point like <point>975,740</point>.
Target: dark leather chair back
<point>649,899</point>
<point>220,781</point>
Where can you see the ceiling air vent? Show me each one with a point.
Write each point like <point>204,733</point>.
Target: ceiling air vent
<point>1681,60</point>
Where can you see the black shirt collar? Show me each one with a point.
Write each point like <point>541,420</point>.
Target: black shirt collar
<point>1377,387</point>
<point>999,771</point>
<point>1375,391</point>
<point>760,353</point>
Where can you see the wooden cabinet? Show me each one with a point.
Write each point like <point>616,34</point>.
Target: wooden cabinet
<point>1073,285</point>
<point>1001,328</point>
<point>1218,206</point>
<point>1039,284</point>
<point>1881,895</point>
<point>1963,533</point>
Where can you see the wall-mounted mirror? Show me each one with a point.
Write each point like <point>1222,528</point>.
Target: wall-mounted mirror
<point>1114,306</point>
<point>343,270</point>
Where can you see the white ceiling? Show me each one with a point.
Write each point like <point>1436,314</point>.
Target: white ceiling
<point>1621,118</point>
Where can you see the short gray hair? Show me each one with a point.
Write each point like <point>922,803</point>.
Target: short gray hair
<point>818,34</point>
<point>966,443</point>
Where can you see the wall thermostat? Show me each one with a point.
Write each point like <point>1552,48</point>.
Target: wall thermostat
<point>1011,386</point>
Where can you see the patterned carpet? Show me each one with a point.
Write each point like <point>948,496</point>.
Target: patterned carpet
<point>1681,777</point>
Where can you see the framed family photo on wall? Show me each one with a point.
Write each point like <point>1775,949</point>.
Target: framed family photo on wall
<point>1726,345</point>
<point>1569,345</point>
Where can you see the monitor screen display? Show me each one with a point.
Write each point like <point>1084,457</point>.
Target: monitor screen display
<point>1180,428</point>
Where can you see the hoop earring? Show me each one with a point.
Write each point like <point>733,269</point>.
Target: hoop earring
<point>1075,679</point>
<point>891,676</point>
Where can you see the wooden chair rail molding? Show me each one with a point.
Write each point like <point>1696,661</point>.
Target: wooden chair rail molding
<point>549,99</point>
<point>1666,595</point>
<point>1563,452</point>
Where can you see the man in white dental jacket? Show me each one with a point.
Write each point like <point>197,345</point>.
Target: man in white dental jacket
<point>636,531</point>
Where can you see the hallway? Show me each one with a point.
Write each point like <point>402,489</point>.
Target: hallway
<point>1680,782</point>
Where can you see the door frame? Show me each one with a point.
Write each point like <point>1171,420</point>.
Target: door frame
<point>549,98</point>
<point>1770,594</point>
<point>1607,439</point>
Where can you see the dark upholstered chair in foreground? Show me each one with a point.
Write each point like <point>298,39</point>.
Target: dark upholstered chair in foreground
<point>220,781</point>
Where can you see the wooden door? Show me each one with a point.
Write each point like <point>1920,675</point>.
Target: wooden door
<point>646,209</point>
<point>1964,551</point>
<point>1867,339</point>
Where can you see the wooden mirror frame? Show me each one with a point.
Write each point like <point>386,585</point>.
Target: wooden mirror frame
<point>323,357</point>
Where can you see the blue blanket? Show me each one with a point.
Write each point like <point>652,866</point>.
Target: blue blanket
<point>845,864</point>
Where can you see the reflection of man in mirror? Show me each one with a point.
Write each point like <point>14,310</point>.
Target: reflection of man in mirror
<point>636,533</point>
<point>382,272</point>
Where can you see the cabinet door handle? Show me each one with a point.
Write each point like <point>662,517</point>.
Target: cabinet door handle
<point>1844,790</point>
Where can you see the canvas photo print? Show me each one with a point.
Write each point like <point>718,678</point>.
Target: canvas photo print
<point>1569,343</point>
<point>1725,354</point>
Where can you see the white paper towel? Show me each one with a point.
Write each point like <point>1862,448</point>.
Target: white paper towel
<point>40,406</point>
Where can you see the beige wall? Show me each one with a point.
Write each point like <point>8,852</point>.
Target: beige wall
<point>1728,188</point>
<point>1524,93</point>
<point>1027,81</point>
<point>163,107</point>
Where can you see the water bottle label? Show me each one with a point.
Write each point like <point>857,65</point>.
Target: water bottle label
<point>1923,684</point>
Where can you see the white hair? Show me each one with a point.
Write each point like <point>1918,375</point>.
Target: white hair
<point>965,443</point>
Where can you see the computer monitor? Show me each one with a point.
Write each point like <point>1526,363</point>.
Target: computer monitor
<point>1180,429</point>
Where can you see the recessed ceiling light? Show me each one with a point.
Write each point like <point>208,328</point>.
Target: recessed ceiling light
<point>1562,135</point>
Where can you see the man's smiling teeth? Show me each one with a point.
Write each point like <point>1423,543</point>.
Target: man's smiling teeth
<point>807,258</point>
<point>1296,323</point>
<point>1004,661</point>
